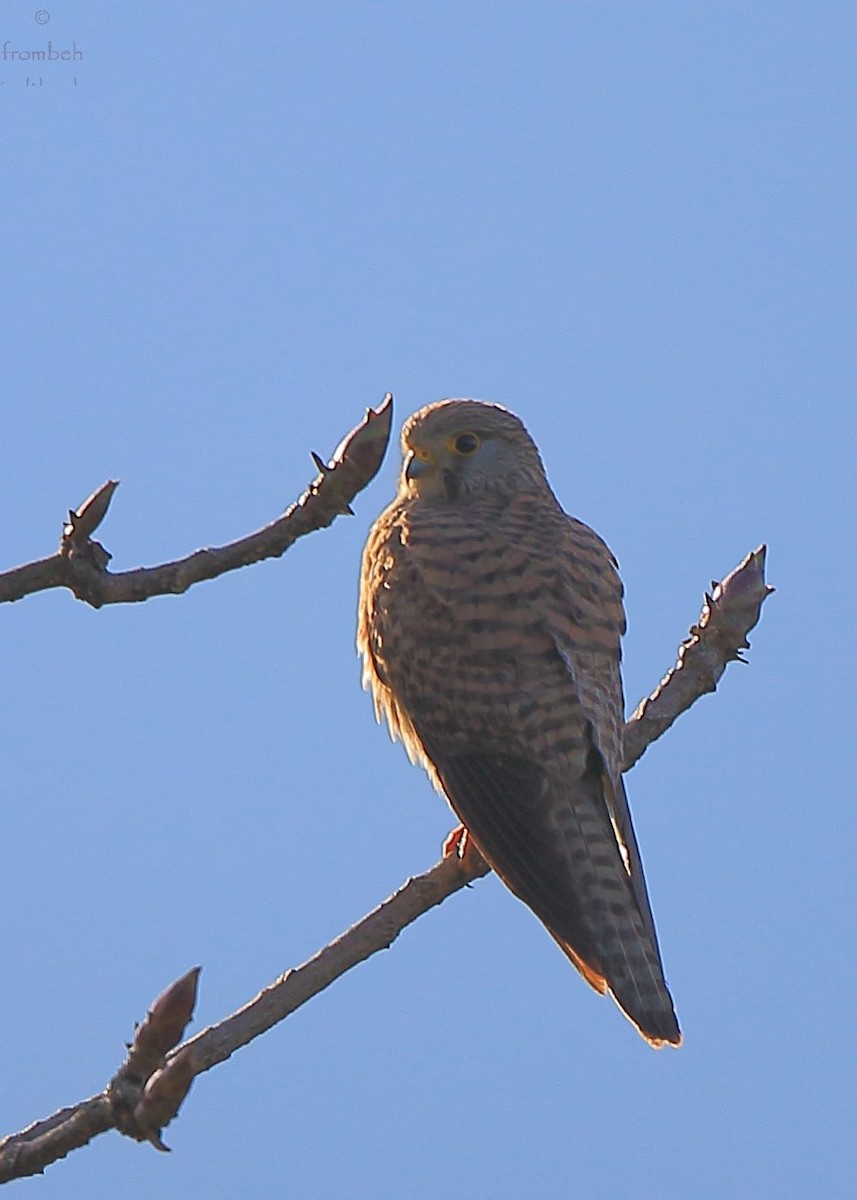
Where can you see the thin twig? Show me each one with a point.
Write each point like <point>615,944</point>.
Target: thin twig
<point>80,564</point>
<point>728,614</point>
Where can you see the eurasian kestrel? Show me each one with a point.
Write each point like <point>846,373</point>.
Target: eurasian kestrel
<point>489,625</point>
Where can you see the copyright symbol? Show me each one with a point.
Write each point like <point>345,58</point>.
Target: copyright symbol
<point>42,17</point>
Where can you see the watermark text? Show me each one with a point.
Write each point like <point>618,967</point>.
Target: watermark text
<point>8,53</point>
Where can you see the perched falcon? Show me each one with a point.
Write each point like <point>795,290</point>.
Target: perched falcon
<point>489,626</point>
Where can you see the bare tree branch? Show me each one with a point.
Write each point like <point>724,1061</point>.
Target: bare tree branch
<point>151,1084</point>
<point>80,564</point>
<point>142,1097</point>
<point>728,614</point>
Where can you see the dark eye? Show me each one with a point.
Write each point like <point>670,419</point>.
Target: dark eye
<point>466,443</point>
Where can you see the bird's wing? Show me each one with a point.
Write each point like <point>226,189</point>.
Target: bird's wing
<point>508,808</point>
<point>587,628</point>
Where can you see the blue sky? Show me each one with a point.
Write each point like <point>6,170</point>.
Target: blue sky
<point>225,233</point>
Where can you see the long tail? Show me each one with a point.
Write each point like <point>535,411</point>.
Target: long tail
<point>555,847</point>
<point>613,907</point>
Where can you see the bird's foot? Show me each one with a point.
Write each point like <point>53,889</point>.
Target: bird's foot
<point>459,844</point>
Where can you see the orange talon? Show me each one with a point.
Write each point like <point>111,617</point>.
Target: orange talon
<point>456,843</point>
<point>460,844</point>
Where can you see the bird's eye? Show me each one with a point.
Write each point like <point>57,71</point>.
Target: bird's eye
<point>465,443</point>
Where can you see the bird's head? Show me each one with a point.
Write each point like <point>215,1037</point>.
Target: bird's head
<point>457,448</point>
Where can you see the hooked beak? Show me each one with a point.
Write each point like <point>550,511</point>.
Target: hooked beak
<point>421,466</point>
<point>416,468</point>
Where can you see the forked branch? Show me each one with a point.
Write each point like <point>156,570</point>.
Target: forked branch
<point>147,1090</point>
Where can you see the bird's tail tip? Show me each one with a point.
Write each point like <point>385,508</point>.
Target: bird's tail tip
<point>659,1029</point>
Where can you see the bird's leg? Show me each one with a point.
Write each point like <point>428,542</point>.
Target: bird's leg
<point>459,844</point>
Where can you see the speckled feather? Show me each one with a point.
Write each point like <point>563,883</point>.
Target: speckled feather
<point>489,625</point>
